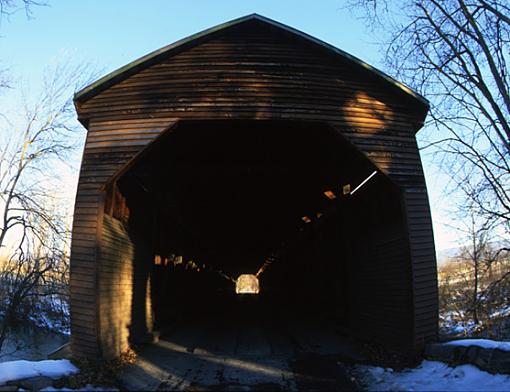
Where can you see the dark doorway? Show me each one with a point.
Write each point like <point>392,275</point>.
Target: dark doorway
<point>211,200</point>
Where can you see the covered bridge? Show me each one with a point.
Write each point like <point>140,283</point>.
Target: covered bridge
<point>250,149</point>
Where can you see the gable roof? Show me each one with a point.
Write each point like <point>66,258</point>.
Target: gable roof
<point>143,62</point>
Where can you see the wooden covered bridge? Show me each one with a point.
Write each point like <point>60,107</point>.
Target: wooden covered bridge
<point>251,149</point>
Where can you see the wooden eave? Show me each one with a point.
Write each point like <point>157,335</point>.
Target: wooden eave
<point>196,39</point>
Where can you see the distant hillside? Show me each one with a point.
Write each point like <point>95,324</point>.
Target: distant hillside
<point>444,255</point>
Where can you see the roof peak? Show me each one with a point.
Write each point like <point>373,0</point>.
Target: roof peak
<point>147,60</point>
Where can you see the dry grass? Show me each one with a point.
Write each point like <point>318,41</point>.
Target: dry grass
<point>97,373</point>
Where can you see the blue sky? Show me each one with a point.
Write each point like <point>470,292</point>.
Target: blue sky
<point>112,33</point>
<point>108,34</point>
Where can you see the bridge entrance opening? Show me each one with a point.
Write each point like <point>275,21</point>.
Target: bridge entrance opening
<point>289,210</point>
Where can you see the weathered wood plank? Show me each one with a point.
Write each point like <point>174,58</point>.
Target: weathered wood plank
<point>257,75</point>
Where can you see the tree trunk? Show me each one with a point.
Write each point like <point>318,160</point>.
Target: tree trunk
<point>475,283</point>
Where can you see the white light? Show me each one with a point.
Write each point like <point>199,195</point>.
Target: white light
<point>364,181</point>
<point>247,284</point>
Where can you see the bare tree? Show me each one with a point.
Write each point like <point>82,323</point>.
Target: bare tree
<point>34,229</point>
<point>8,7</point>
<point>455,52</point>
<point>477,253</point>
<point>474,285</point>
<point>26,277</point>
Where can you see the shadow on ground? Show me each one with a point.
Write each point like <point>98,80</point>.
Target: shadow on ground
<point>246,355</point>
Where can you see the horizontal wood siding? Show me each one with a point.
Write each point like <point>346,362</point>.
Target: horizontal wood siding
<point>381,287</point>
<point>253,73</point>
<point>99,163</point>
<point>115,287</point>
<point>83,298</point>
<point>424,265</point>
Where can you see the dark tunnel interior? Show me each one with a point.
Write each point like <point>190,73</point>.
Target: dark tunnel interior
<point>212,200</point>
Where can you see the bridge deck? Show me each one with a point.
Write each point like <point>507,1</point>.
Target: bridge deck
<point>216,354</point>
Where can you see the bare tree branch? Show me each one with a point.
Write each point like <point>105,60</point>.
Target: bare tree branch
<point>455,52</point>
<point>34,232</point>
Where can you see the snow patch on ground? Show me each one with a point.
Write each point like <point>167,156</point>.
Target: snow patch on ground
<point>483,343</point>
<point>459,324</point>
<point>451,323</point>
<point>431,376</point>
<point>18,370</point>
<point>30,344</point>
<point>52,313</point>
<point>502,312</point>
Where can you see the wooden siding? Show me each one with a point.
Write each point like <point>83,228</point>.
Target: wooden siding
<point>382,281</point>
<point>115,287</point>
<point>250,73</point>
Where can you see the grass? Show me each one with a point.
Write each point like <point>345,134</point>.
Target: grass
<point>97,373</point>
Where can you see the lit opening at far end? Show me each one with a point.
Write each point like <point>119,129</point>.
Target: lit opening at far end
<point>247,284</point>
